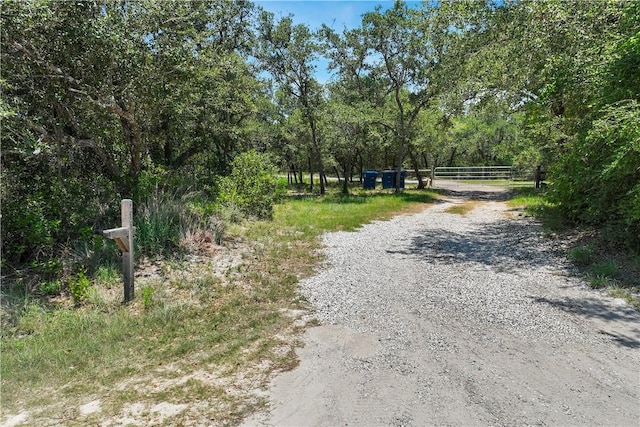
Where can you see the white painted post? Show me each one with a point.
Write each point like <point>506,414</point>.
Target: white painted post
<point>124,239</point>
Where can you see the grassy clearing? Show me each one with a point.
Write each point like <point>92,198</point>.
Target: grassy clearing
<point>202,333</point>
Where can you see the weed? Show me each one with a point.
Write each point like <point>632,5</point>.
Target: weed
<point>147,297</point>
<point>107,277</point>
<point>630,295</point>
<point>598,281</point>
<point>581,256</point>
<point>607,268</point>
<point>461,209</point>
<point>50,287</point>
<point>79,286</point>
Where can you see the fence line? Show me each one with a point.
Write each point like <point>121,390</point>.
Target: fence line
<point>474,173</point>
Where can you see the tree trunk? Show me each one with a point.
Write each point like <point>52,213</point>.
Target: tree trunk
<point>310,174</point>
<point>345,184</point>
<point>452,156</point>
<point>316,148</point>
<point>337,172</point>
<point>416,169</point>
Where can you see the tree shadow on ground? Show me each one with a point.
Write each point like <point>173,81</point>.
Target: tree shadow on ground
<point>505,245</point>
<point>499,195</point>
<point>516,247</point>
<point>593,308</point>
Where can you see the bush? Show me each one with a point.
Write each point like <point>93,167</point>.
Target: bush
<point>597,181</point>
<point>581,256</point>
<point>159,223</point>
<point>253,186</point>
<point>167,222</point>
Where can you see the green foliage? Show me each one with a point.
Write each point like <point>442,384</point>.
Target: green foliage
<point>79,287</point>
<point>581,256</point>
<point>598,281</point>
<point>147,297</point>
<point>52,287</point>
<point>598,180</point>
<point>253,185</point>
<point>107,276</point>
<point>129,96</point>
<point>159,223</point>
<point>607,268</point>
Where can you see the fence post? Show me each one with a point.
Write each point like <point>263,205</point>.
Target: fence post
<point>127,257</point>
<point>123,237</point>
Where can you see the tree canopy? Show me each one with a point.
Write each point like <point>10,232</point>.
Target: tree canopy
<point>107,99</point>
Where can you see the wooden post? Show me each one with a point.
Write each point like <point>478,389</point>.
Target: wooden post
<point>124,239</point>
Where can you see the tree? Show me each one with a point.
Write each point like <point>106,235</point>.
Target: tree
<point>402,51</point>
<point>572,67</point>
<point>287,52</point>
<point>99,95</point>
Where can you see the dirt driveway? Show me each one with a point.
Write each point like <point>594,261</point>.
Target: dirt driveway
<point>442,318</point>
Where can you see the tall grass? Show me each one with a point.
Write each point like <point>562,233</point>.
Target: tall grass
<point>168,219</point>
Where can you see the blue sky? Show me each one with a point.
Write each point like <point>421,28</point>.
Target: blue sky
<point>337,14</point>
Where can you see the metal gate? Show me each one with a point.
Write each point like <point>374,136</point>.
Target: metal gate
<point>474,173</point>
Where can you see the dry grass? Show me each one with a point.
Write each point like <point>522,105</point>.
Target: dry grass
<point>463,208</point>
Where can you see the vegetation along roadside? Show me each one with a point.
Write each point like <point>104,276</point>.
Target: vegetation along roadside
<point>205,329</point>
<point>191,109</point>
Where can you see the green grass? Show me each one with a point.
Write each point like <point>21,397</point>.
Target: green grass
<point>607,268</point>
<point>630,295</point>
<point>55,354</point>
<point>315,215</point>
<point>581,256</point>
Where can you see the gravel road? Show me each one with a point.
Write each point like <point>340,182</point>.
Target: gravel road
<point>439,318</point>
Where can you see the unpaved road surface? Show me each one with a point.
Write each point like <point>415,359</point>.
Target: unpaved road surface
<point>439,318</point>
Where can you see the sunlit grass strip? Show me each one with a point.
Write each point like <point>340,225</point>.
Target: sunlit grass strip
<point>315,215</point>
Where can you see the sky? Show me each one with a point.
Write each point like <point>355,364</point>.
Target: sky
<point>337,14</point>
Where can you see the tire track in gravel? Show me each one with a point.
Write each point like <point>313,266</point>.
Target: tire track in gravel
<point>437,318</point>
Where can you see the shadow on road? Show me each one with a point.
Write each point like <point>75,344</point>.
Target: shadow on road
<point>474,191</point>
<point>516,247</point>
<point>505,245</point>
<point>597,309</point>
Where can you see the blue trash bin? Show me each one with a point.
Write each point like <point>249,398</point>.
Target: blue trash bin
<point>389,178</point>
<point>370,180</point>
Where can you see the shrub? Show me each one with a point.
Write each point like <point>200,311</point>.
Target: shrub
<point>607,268</point>
<point>79,287</point>
<point>581,256</point>
<point>253,186</point>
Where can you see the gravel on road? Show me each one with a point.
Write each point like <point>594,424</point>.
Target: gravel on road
<point>441,318</point>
